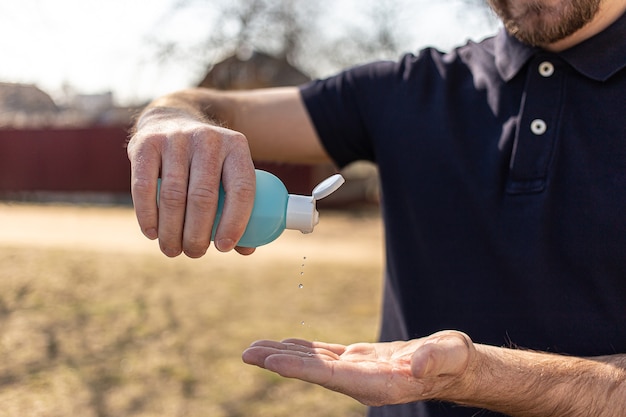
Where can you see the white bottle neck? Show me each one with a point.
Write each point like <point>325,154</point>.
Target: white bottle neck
<point>301,213</point>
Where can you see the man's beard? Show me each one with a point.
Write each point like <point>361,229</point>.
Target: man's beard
<point>536,23</point>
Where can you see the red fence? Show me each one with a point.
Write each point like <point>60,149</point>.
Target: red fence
<point>91,160</point>
<point>64,160</point>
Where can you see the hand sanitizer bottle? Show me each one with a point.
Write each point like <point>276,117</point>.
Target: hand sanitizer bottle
<point>276,210</point>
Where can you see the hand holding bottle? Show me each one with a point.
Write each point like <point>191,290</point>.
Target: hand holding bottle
<point>191,156</point>
<point>182,138</point>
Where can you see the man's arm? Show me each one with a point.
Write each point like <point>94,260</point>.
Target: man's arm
<point>447,366</point>
<point>193,139</point>
<point>529,384</point>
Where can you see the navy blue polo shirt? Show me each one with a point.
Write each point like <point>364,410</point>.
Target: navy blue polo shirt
<point>503,177</point>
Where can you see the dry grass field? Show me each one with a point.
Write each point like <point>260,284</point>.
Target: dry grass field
<point>95,322</point>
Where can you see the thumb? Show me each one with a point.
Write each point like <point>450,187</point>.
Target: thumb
<point>442,354</point>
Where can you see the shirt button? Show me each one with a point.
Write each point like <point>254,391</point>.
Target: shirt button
<point>546,69</point>
<point>538,127</point>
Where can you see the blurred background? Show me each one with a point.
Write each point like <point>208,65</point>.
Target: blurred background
<point>137,49</point>
<point>94,321</point>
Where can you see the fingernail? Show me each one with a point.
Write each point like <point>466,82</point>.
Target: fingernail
<point>151,233</point>
<point>194,253</point>
<point>224,245</point>
<point>171,253</point>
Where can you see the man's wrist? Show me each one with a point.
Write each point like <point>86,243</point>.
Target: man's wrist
<point>160,114</point>
<point>528,384</point>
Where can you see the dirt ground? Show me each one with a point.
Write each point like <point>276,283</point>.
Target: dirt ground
<point>345,236</point>
<point>96,322</point>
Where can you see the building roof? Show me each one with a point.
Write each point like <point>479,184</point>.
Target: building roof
<point>25,98</point>
<point>252,70</point>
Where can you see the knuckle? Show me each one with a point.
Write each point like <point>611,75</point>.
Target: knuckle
<point>202,197</point>
<point>173,196</point>
<point>217,140</point>
<point>246,188</point>
<point>145,216</point>
<point>238,139</point>
<point>140,144</point>
<point>141,187</point>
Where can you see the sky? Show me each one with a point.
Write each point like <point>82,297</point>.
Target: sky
<point>99,46</point>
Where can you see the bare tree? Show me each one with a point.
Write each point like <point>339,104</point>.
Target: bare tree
<point>273,26</point>
<point>379,35</point>
<point>296,31</point>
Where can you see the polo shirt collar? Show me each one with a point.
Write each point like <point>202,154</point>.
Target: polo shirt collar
<point>511,54</point>
<point>598,57</point>
<point>602,55</point>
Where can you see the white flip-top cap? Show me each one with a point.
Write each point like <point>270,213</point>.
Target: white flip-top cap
<point>302,213</point>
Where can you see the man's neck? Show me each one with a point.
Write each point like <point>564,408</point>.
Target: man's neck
<point>610,11</point>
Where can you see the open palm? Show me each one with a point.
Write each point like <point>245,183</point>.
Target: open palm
<point>372,373</point>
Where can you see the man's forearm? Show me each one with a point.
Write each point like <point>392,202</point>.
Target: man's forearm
<point>274,121</point>
<point>528,384</point>
<point>200,104</point>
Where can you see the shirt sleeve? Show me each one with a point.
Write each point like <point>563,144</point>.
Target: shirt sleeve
<point>342,110</point>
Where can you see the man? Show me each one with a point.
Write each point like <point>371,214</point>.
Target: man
<point>503,168</point>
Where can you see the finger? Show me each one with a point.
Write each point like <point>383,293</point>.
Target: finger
<point>202,199</point>
<point>306,368</point>
<point>331,347</point>
<point>239,182</point>
<point>260,351</point>
<point>442,354</point>
<point>296,341</point>
<point>244,251</point>
<point>298,346</point>
<point>258,355</point>
<point>361,381</point>
<point>145,164</point>
<point>173,198</point>
<point>368,381</point>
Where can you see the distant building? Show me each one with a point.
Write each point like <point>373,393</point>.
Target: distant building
<point>24,105</point>
<point>93,104</point>
<point>25,97</point>
<point>252,69</point>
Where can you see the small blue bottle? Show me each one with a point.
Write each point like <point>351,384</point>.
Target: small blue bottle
<point>276,210</point>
